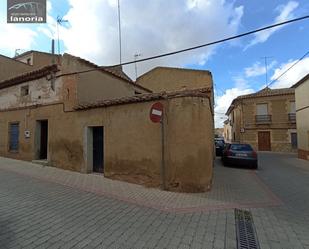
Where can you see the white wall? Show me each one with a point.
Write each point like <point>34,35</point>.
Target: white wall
<point>40,92</point>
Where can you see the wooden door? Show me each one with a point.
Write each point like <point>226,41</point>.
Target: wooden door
<point>264,141</point>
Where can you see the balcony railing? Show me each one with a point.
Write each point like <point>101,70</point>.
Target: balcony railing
<point>263,119</point>
<point>292,117</point>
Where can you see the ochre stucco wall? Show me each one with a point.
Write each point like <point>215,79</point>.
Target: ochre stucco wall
<point>173,79</point>
<point>190,139</point>
<point>132,143</point>
<point>302,117</point>
<point>10,68</point>
<point>101,86</point>
<point>39,59</point>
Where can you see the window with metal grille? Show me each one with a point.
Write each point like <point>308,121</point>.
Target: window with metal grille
<point>262,115</point>
<point>14,137</point>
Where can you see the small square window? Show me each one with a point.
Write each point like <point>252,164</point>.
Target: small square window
<point>24,91</point>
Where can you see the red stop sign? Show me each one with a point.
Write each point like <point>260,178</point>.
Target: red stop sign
<point>156,112</point>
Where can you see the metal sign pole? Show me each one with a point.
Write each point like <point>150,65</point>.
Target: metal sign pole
<point>157,116</point>
<point>162,153</point>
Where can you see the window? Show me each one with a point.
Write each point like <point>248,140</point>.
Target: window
<point>262,115</point>
<point>29,61</point>
<point>24,91</point>
<point>241,147</point>
<point>136,92</point>
<point>14,137</point>
<point>292,113</point>
<point>262,109</point>
<point>292,107</point>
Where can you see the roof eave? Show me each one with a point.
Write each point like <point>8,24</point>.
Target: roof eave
<point>147,97</point>
<point>303,80</point>
<point>29,76</point>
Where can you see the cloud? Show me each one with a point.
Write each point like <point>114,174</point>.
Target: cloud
<point>18,36</point>
<point>148,28</point>
<point>224,101</point>
<point>285,13</point>
<point>15,37</point>
<point>293,75</point>
<point>258,69</point>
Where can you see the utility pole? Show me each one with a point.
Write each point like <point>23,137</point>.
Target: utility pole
<point>119,29</point>
<point>266,69</point>
<point>135,59</point>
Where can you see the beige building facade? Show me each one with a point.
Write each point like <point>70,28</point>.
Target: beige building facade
<point>9,68</point>
<point>227,131</point>
<point>302,116</point>
<point>99,122</point>
<point>266,120</point>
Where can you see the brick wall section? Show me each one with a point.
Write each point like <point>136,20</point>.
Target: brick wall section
<point>302,154</point>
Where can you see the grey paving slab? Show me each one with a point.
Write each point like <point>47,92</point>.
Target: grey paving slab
<point>36,212</point>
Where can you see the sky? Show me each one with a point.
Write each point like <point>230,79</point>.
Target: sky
<point>159,26</point>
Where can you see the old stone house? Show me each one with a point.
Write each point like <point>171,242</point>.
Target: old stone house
<point>227,131</point>
<point>10,68</point>
<point>37,59</point>
<point>97,120</point>
<point>265,119</point>
<point>302,116</point>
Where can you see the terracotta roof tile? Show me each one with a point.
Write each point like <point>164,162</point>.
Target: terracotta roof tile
<point>36,74</point>
<point>266,92</point>
<point>204,92</point>
<point>118,70</point>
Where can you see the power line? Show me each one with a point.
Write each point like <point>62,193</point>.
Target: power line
<point>219,41</point>
<point>294,64</point>
<point>199,46</point>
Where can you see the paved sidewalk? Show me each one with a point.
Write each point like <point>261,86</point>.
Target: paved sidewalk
<point>42,207</point>
<point>38,214</point>
<point>243,189</point>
